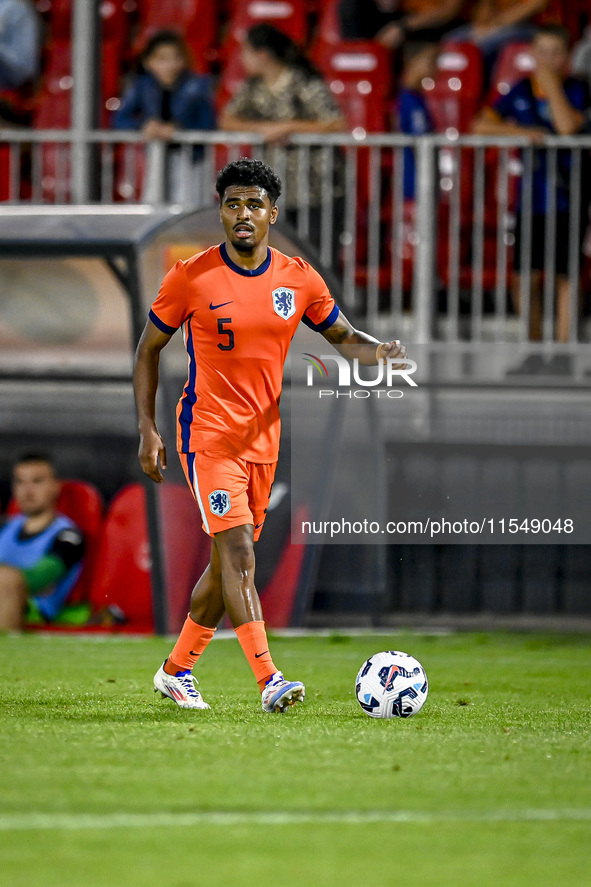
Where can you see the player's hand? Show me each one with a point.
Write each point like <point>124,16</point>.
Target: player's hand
<point>392,350</point>
<point>151,452</point>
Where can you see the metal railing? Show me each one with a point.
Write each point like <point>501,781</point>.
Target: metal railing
<point>421,231</point>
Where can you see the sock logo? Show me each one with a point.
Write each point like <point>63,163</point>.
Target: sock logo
<point>258,655</point>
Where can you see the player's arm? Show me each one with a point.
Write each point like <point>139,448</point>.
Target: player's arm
<point>353,343</point>
<point>145,386</point>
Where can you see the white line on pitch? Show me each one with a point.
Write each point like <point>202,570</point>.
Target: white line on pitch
<point>75,822</point>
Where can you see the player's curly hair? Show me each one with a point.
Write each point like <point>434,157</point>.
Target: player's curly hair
<point>247,172</point>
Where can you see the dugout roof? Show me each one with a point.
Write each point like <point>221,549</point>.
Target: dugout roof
<point>79,230</point>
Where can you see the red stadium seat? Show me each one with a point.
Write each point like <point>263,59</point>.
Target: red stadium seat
<point>53,102</point>
<point>4,172</point>
<point>328,29</point>
<point>82,502</point>
<point>53,108</point>
<point>195,20</point>
<point>456,92</point>
<point>186,548</point>
<point>115,18</point>
<point>514,62</point>
<point>279,594</point>
<point>289,16</point>
<point>359,74</point>
<point>122,575</point>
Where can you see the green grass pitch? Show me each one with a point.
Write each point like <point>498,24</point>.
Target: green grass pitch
<point>104,784</point>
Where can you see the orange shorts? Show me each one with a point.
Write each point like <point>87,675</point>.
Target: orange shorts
<point>230,491</point>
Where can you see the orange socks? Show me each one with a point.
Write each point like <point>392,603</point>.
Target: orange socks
<point>191,643</point>
<point>194,638</point>
<point>253,640</point>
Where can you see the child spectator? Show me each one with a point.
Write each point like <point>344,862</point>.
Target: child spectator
<point>40,550</point>
<point>167,97</point>
<point>414,118</point>
<point>545,102</point>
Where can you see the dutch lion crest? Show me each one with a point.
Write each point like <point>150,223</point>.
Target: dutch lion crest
<point>219,502</point>
<point>284,302</point>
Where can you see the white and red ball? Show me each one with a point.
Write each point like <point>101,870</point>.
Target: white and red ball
<point>391,684</point>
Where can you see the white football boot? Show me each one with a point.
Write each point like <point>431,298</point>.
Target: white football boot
<point>180,688</point>
<point>279,694</point>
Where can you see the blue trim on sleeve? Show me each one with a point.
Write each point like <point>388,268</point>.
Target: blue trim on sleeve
<point>244,271</point>
<point>163,327</point>
<point>320,327</point>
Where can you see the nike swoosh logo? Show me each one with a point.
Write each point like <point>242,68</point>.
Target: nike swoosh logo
<point>212,307</point>
<point>259,525</point>
<point>193,653</point>
<point>258,655</point>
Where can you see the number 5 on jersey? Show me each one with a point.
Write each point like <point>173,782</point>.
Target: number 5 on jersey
<point>225,346</point>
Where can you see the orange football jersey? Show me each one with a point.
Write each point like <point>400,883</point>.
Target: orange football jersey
<point>237,328</point>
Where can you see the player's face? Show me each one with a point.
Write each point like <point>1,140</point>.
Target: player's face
<point>246,213</point>
<point>35,488</point>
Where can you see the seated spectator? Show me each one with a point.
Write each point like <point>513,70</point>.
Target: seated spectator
<point>391,22</point>
<point>40,550</point>
<point>167,97</point>
<point>285,94</point>
<point>413,116</point>
<point>20,47</point>
<point>494,23</point>
<point>545,102</point>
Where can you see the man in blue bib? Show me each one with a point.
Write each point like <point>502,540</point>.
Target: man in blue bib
<point>40,550</point>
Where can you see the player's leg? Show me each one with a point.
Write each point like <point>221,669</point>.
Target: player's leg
<point>219,487</point>
<point>206,611</point>
<point>241,599</point>
<point>13,598</point>
<point>174,678</point>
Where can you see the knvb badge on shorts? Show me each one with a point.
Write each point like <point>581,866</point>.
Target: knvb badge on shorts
<point>219,502</point>
<point>284,302</point>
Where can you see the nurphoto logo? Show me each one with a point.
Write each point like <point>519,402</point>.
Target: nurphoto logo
<point>387,372</point>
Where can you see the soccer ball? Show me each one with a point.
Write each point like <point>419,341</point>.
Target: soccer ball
<point>391,685</point>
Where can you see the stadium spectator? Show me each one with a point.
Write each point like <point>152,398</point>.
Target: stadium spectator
<point>284,94</point>
<point>412,112</point>
<point>391,22</point>
<point>19,43</point>
<point>546,102</point>
<point>494,23</point>
<point>167,97</point>
<point>40,550</point>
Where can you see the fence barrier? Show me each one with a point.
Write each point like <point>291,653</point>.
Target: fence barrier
<point>444,237</point>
